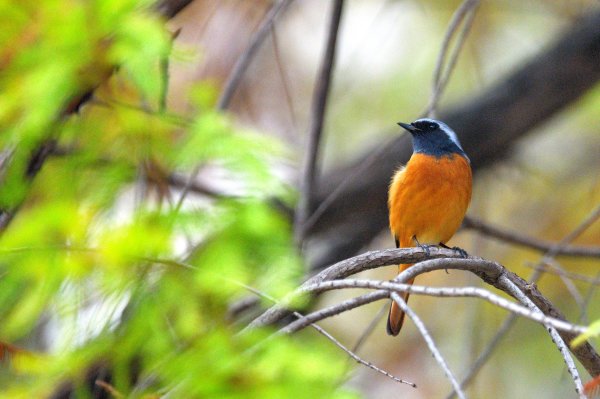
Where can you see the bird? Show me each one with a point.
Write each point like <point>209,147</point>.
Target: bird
<point>428,197</point>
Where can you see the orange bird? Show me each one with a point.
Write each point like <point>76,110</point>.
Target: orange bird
<point>428,197</point>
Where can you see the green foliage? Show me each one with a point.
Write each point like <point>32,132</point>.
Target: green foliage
<point>96,265</point>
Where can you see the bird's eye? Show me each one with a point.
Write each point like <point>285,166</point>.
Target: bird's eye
<point>432,126</point>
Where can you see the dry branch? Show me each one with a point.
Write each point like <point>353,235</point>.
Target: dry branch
<point>491,272</point>
<point>430,343</point>
<point>526,241</point>
<point>319,106</point>
<point>449,292</point>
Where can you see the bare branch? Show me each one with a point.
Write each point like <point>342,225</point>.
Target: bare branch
<point>526,241</point>
<point>472,292</point>
<point>345,268</point>
<point>556,338</point>
<point>489,271</point>
<point>465,12</point>
<point>284,79</point>
<point>355,356</point>
<point>544,268</point>
<point>430,343</point>
<point>243,62</point>
<point>371,327</point>
<point>486,353</point>
<point>333,310</point>
<point>319,105</point>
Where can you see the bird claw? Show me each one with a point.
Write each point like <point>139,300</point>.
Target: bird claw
<point>425,248</point>
<point>460,251</point>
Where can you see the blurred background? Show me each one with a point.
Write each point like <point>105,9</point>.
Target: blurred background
<point>543,186</point>
<point>154,184</point>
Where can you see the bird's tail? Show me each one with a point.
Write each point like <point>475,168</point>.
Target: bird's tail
<point>396,315</point>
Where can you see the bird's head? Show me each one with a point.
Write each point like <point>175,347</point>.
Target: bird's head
<point>433,137</point>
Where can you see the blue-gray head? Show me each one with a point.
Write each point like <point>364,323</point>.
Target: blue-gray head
<point>433,137</point>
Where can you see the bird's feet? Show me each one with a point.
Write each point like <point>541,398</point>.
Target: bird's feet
<point>458,250</point>
<point>424,247</point>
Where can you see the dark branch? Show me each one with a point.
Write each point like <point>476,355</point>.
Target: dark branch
<point>526,241</point>
<point>243,62</point>
<point>170,8</point>
<point>319,106</point>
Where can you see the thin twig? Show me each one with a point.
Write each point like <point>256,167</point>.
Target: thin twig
<point>322,331</point>
<point>370,328</point>
<point>333,310</point>
<point>486,353</point>
<point>588,299</point>
<point>465,12</point>
<point>284,78</point>
<point>430,343</point>
<point>319,106</point>
<point>573,276</point>
<point>367,333</point>
<point>243,62</point>
<point>526,241</point>
<point>356,357</point>
<point>569,285</point>
<point>556,338</point>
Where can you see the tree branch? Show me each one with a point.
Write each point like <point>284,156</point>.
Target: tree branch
<point>491,272</point>
<point>243,62</point>
<point>319,106</point>
<point>345,268</point>
<point>509,286</point>
<point>466,10</point>
<point>450,292</point>
<point>526,241</point>
<point>430,343</point>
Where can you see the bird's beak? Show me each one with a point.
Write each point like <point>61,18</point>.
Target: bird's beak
<point>408,127</point>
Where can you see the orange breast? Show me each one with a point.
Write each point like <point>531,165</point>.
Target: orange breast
<point>429,198</point>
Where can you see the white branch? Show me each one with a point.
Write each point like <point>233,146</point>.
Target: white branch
<point>556,338</point>
<point>473,292</point>
<point>430,343</point>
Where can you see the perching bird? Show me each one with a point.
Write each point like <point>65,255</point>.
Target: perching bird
<point>428,198</point>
